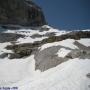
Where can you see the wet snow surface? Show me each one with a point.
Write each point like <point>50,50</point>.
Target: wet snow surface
<point>69,75</point>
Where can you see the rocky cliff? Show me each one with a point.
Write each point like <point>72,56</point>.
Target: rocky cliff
<point>21,12</point>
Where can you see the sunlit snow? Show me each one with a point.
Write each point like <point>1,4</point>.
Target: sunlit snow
<point>21,73</point>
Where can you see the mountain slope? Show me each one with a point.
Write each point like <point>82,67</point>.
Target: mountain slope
<point>45,59</point>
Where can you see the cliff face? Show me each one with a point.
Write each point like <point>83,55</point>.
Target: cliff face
<point>21,12</point>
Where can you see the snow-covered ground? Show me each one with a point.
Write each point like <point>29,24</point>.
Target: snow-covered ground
<point>12,71</point>
<point>70,75</point>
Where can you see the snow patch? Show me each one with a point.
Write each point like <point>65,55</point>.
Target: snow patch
<point>12,71</point>
<point>29,40</point>
<point>63,52</point>
<point>46,26</point>
<point>84,41</point>
<point>2,48</point>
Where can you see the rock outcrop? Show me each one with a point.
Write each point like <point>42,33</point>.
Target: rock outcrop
<point>9,37</point>
<point>21,12</point>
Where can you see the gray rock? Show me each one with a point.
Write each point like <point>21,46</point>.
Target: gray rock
<point>88,75</point>
<point>36,36</point>
<point>3,55</point>
<point>8,37</point>
<point>74,53</point>
<point>47,58</point>
<point>14,55</point>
